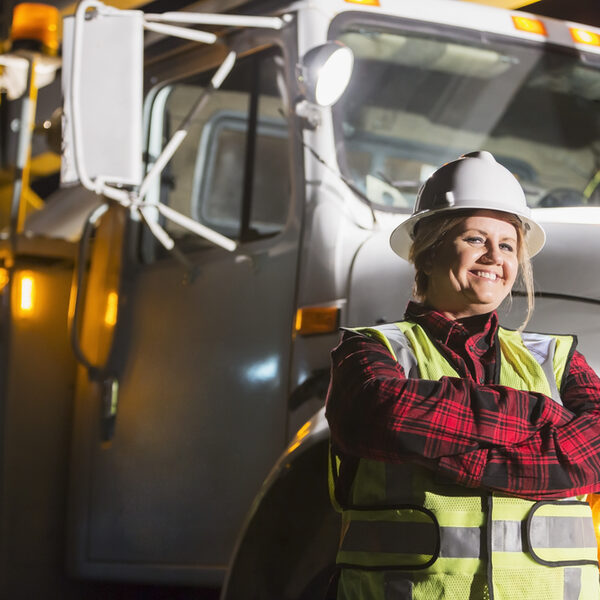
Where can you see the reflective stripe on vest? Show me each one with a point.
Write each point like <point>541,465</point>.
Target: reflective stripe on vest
<point>424,536</point>
<point>401,517</point>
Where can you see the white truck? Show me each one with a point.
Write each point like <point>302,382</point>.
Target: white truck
<point>166,324</point>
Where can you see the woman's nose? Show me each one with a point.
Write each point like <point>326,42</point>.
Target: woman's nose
<point>493,254</point>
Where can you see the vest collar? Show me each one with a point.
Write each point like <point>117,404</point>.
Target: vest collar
<point>446,330</point>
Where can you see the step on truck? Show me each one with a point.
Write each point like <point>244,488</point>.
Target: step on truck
<point>167,316</point>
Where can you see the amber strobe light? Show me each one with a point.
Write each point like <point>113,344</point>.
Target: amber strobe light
<point>529,25</point>
<point>317,319</point>
<point>38,22</point>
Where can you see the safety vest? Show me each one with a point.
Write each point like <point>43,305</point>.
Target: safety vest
<point>409,534</point>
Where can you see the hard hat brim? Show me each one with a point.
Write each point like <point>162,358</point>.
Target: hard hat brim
<point>401,238</point>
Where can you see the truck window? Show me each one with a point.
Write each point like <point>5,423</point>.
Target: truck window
<point>418,100</point>
<point>232,171</point>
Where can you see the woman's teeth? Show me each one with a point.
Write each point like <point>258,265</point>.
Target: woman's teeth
<point>487,275</point>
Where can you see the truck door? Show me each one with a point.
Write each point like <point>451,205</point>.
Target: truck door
<point>201,408</point>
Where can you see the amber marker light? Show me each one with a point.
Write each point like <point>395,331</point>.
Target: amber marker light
<point>364,2</point>
<point>317,319</point>
<point>583,36</point>
<point>40,22</point>
<point>529,25</point>
<point>112,303</point>
<point>26,292</point>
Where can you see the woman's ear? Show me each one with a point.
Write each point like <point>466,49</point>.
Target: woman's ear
<point>428,262</point>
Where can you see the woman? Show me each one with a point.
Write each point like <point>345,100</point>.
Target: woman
<point>461,451</point>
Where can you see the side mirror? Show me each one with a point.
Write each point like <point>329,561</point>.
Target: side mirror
<point>102,82</point>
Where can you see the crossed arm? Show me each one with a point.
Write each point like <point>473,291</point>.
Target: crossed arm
<point>522,443</point>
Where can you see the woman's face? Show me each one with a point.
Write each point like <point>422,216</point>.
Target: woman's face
<point>474,267</point>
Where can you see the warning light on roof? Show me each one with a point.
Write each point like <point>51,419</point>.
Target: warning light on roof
<point>528,24</point>
<point>365,2</point>
<point>583,36</point>
<point>36,22</point>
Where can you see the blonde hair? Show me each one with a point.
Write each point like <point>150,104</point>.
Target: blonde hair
<point>430,233</point>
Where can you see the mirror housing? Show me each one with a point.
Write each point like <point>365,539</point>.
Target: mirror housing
<point>102,82</point>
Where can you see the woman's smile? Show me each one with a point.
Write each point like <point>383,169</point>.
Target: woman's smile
<point>487,275</point>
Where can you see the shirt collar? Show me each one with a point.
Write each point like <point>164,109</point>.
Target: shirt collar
<point>442,328</point>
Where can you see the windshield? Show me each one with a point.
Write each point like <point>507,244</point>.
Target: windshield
<point>418,100</point>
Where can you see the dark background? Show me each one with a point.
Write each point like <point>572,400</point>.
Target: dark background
<point>583,11</point>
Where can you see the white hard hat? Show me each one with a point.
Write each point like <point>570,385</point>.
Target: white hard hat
<point>473,181</point>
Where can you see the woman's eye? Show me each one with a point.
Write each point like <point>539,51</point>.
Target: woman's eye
<point>507,247</point>
<point>474,240</point>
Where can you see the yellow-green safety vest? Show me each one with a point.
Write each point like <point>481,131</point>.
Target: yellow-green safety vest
<point>409,534</point>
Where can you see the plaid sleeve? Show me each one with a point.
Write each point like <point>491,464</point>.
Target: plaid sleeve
<point>374,411</point>
<point>557,461</point>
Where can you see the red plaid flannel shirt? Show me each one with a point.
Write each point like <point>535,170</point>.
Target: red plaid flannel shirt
<point>471,430</point>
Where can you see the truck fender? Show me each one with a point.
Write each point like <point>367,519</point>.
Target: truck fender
<point>287,546</point>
